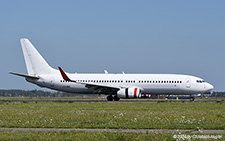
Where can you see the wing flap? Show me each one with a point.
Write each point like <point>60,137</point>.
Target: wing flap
<point>96,87</point>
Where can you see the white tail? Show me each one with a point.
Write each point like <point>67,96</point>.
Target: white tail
<point>35,63</point>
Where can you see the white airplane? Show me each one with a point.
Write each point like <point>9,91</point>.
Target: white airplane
<point>116,86</point>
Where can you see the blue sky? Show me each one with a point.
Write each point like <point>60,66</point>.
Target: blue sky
<point>181,37</point>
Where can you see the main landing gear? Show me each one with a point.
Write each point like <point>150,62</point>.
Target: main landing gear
<point>111,98</point>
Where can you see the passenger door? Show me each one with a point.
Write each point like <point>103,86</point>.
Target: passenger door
<point>188,83</point>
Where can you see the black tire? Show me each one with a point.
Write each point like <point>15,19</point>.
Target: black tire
<point>109,98</point>
<point>116,98</point>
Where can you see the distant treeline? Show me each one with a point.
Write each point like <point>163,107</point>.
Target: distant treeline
<point>40,93</point>
<point>218,94</point>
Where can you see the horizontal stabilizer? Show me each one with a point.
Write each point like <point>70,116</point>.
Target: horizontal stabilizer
<point>23,75</point>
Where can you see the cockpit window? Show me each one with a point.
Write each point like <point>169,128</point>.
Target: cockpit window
<point>200,81</point>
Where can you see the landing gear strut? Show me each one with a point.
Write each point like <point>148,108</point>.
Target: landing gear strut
<point>192,99</point>
<point>111,98</point>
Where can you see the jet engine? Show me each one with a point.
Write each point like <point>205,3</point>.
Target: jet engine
<point>132,92</point>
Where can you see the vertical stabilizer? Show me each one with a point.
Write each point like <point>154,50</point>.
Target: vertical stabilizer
<point>35,63</point>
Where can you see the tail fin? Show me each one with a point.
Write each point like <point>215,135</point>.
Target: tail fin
<point>35,63</point>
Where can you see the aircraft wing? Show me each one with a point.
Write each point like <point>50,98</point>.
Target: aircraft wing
<point>23,75</point>
<point>98,88</point>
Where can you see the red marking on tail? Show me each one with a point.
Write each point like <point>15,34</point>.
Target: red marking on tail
<point>65,77</point>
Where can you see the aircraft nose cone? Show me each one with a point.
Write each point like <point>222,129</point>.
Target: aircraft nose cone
<point>209,87</point>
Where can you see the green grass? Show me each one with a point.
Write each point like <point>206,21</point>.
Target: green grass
<point>114,115</point>
<point>95,136</point>
<point>101,99</point>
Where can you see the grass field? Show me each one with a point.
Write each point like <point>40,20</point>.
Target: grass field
<point>97,136</point>
<point>204,115</point>
<point>101,99</point>
<point>207,115</point>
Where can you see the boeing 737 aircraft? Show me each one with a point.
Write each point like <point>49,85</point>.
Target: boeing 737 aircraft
<point>116,86</point>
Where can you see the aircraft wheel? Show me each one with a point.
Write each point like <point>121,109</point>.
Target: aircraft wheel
<point>109,98</point>
<point>116,98</point>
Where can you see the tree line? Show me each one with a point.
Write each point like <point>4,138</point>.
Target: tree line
<point>40,93</point>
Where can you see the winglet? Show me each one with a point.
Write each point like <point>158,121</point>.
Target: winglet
<point>65,77</point>
<point>106,72</point>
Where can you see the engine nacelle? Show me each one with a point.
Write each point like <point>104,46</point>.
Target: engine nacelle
<point>132,92</point>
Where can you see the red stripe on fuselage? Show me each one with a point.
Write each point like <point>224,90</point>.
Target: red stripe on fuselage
<point>135,92</point>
